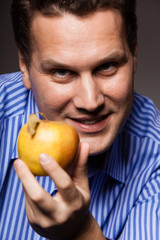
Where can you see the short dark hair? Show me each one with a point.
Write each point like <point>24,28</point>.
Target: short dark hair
<point>22,12</point>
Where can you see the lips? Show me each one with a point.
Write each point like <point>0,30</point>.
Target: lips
<point>90,125</point>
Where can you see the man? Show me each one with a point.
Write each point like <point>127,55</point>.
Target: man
<point>77,62</point>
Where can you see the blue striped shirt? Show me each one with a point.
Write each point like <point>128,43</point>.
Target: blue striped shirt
<point>125,187</point>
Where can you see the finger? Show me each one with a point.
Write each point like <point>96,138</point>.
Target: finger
<point>63,181</point>
<point>80,176</point>
<point>37,214</point>
<point>30,210</point>
<point>27,178</point>
<point>32,188</point>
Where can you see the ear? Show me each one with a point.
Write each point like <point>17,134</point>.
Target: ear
<point>24,71</point>
<point>135,58</point>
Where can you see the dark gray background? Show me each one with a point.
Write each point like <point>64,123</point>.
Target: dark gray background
<point>147,78</point>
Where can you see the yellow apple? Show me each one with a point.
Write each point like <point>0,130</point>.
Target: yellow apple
<point>57,139</point>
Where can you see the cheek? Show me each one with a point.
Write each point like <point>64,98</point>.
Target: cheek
<point>51,97</point>
<point>120,89</point>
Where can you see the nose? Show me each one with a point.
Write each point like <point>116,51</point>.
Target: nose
<point>88,95</point>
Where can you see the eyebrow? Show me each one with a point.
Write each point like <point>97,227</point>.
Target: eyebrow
<point>119,56</point>
<point>50,63</point>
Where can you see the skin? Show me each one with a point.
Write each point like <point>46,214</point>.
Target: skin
<point>86,69</point>
<point>81,72</point>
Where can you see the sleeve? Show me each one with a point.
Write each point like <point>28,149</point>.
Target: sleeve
<point>1,107</point>
<point>143,222</point>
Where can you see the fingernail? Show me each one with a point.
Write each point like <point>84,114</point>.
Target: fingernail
<point>44,158</point>
<point>17,164</point>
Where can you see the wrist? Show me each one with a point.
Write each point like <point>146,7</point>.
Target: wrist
<point>90,230</point>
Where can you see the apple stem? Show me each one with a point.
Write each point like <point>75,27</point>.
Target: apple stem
<point>33,122</point>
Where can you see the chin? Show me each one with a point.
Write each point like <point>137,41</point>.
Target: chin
<point>97,150</point>
<point>97,144</point>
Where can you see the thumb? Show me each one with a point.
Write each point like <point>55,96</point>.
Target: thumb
<point>80,174</point>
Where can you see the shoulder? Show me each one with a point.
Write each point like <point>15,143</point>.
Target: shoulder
<point>13,95</point>
<point>10,78</point>
<point>144,119</point>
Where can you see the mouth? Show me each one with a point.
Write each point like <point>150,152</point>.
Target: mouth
<point>90,125</point>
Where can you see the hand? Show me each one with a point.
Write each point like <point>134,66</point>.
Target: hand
<point>65,216</point>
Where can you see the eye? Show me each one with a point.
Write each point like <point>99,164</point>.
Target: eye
<point>61,72</point>
<point>62,75</point>
<point>107,67</point>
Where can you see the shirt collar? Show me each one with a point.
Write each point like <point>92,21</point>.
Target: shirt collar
<point>115,163</point>
<point>110,162</point>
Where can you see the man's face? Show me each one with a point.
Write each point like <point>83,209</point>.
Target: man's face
<point>82,73</point>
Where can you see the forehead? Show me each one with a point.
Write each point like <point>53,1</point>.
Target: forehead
<point>70,35</point>
<point>99,19</point>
